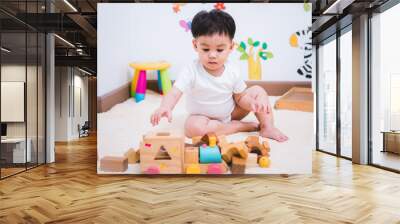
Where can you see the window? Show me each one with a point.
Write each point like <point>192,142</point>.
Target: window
<point>327,97</point>
<point>385,89</point>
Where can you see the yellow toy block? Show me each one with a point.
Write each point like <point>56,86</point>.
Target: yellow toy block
<point>193,169</point>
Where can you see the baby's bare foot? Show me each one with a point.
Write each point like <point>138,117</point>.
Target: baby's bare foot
<point>273,133</point>
<point>246,126</point>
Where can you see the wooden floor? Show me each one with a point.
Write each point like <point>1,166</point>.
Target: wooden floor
<point>70,191</point>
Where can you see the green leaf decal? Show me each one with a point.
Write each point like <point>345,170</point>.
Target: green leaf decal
<point>240,49</point>
<point>243,45</point>
<point>250,41</point>
<point>264,46</point>
<point>244,56</point>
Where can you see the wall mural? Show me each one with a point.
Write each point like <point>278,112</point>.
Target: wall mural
<point>254,64</point>
<point>176,7</point>
<point>302,40</point>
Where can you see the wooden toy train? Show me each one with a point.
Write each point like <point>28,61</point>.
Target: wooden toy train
<point>167,153</point>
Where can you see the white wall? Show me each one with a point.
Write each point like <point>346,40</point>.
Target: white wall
<point>148,32</point>
<point>67,80</point>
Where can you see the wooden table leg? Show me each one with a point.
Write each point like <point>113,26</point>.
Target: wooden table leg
<point>165,81</point>
<point>141,86</point>
<point>134,83</point>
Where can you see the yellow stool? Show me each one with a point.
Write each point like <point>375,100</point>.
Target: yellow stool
<point>139,81</point>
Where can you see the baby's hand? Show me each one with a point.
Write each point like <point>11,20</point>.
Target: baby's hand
<point>159,113</point>
<point>260,105</point>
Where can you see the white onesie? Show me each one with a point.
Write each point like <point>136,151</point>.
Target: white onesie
<point>209,95</point>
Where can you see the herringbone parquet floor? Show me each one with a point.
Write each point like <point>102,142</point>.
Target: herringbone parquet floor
<point>70,191</point>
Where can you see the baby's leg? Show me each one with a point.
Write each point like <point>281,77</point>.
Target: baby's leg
<point>267,126</point>
<point>197,125</point>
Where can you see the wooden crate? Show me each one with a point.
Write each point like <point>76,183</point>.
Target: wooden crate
<point>301,99</point>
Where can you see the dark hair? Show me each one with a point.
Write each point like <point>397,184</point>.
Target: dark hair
<point>215,21</point>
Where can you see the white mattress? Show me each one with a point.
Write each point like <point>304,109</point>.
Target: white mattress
<point>123,126</point>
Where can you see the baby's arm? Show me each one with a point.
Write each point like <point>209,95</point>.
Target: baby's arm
<point>167,105</point>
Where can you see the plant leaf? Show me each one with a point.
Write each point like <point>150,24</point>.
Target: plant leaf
<point>240,49</point>
<point>256,43</point>
<point>307,7</point>
<point>244,56</point>
<point>264,46</point>
<point>243,45</point>
<point>269,54</point>
<point>263,57</point>
<point>250,41</point>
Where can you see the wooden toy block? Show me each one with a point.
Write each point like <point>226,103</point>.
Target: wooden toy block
<point>210,139</point>
<point>252,160</point>
<point>132,155</point>
<point>234,149</point>
<point>162,150</point>
<point>254,146</point>
<point>266,145</point>
<point>238,165</point>
<point>209,154</point>
<point>301,99</point>
<point>264,162</point>
<point>252,138</point>
<point>192,155</point>
<point>193,169</point>
<point>214,169</point>
<point>204,167</point>
<point>113,164</point>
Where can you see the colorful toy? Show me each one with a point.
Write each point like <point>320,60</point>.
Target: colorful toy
<point>238,165</point>
<point>113,164</point>
<point>132,155</point>
<point>238,149</point>
<point>193,169</point>
<point>254,146</point>
<point>139,86</point>
<point>264,162</point>
<point>210,139</point>
<point>164,151</point>
<point>214,169</point>
<point>210,154</point>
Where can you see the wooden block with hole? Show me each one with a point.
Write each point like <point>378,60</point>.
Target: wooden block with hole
<point>192,155</point>
<point>300,99</point>
<point>163,151</point>
<point>238,165</point>
<point>113,164</point>
<point>132,155</point>
<point>234,149</point>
